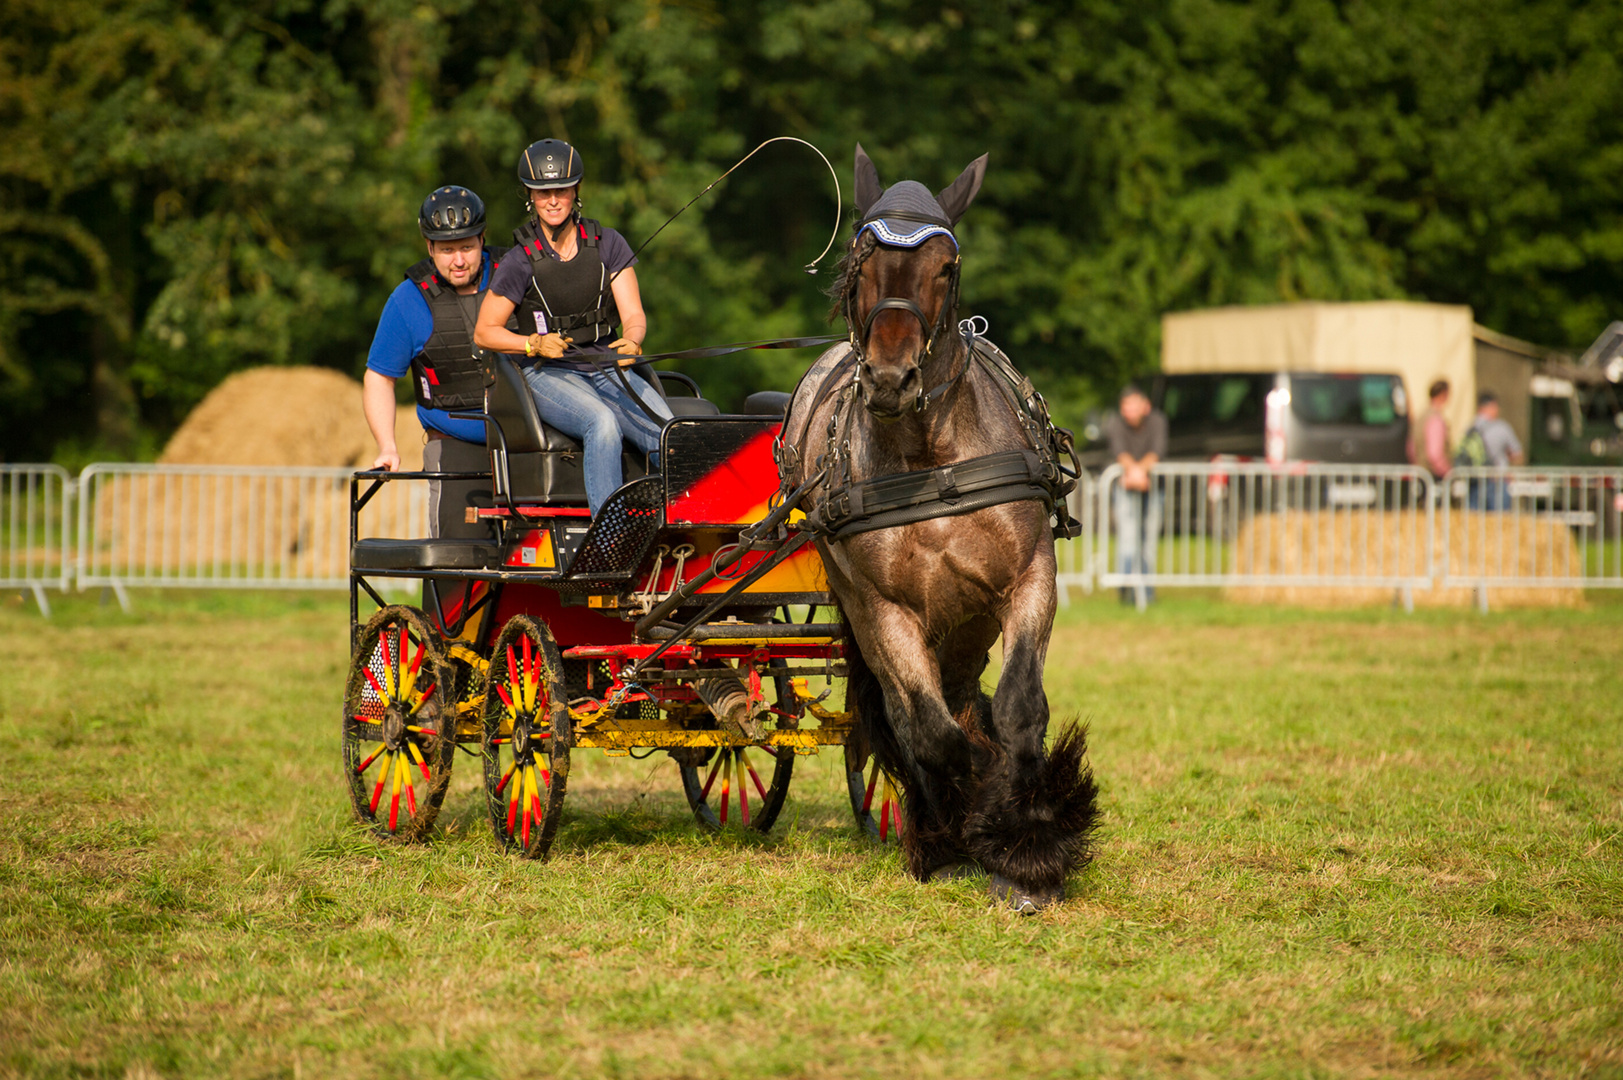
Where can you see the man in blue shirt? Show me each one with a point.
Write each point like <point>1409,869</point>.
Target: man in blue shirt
<point>427,328</point>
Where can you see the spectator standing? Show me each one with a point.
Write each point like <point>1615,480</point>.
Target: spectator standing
<point>1136,437</point>
<point>1434,432</point>
<point>1491,442</point>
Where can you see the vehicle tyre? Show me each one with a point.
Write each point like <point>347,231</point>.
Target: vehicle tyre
<point>397,705</point>
<point>526,737</point>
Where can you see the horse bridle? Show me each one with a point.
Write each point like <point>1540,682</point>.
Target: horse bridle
<point>932,331</point>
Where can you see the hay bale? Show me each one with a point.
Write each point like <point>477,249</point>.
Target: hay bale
<point>1392,543</point>
<point>224,527</point>
<point>287,416</point>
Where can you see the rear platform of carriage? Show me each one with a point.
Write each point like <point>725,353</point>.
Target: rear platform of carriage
<point>687,617</point>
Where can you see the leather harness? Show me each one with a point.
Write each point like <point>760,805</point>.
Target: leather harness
<point>849,507</point>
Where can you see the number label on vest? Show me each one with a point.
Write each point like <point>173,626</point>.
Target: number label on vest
<point>540,322</point>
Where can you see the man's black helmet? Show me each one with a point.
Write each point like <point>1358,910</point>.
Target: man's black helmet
<point>549,164</point>
<point>451,213</point>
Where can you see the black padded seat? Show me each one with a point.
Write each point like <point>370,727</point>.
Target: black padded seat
<point>692,406</point>
<point>380,554</point>
<point>767,403</point>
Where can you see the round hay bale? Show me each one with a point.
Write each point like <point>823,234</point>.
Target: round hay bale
<point>1393,544</point>
<point>287,416</point>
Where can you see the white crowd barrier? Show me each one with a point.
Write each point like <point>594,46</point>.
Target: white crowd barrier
<point>1074,558</point>
<point>215,526</point>
<point>34,513</point>
<point>1248,523</point>
<point>1532,528</point>
<point>1216,523</point>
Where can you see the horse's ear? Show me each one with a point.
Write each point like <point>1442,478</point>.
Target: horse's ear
<point>868,186</point>
<point>956,196</point>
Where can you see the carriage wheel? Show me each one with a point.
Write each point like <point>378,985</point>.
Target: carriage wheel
<point>728,789</point>
<point>875,799</point>
<point>526,737</point>
<point>397,703</point>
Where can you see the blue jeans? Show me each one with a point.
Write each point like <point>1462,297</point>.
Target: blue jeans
<point>1138,533</point>
<point>1492,495</point>
<point>593,406</point>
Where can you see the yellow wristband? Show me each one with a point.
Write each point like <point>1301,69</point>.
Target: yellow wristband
<point>529,346</point>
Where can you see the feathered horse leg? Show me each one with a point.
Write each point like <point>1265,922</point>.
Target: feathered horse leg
<point>1035,812</point>
<point>908,727</point>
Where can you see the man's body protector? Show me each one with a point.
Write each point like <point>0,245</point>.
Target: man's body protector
<point>574,298</point>
<point>445,374</point>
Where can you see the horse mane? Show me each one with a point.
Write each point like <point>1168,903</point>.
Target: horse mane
<point>846,271</point>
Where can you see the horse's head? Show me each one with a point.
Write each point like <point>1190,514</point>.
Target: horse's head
<point>898,289</point>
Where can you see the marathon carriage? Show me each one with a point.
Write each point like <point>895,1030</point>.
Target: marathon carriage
<point>683,618</point>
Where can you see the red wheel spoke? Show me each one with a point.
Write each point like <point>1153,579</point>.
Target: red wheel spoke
<point>417,659</point>
<point>411,795</point>
<point>537,810</point>
<point>388,660</point>
<point>760,787</point>
<point>424,696</point>
<point>505,699</point>
<point>383,777</point>
<point>712,777</point>
<point>529,673</point>
<point>394,808</point>
<point>359,769</point>
<point>417,756</point>
<point>884,819</point>
<point>867,800</point>
<point>375,687</point>
<point>508,776</point>
<point>512,670</point>
<point>529,788</point>
<point>512,806</point>
<point>743,792</point>
<point>726,786</point>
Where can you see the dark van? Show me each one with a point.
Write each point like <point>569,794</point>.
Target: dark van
<point>1285,416</point>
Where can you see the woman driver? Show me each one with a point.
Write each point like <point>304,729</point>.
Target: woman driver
<point>570,280</point>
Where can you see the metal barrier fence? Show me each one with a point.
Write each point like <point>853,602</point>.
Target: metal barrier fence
<point>1531,528</point>
<point>1219,523</point>
<point>1074,558</point>
<point>1197,524</point>
<point>202,526</point>
<point>34,513</point>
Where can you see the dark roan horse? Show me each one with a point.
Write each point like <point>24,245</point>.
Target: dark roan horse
<point>926,599</point>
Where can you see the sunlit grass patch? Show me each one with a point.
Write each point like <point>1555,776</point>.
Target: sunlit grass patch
<point>1335,844</point>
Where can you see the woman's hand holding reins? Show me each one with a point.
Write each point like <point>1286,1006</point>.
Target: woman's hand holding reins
<point>547,346</point>
<point>629,351</point>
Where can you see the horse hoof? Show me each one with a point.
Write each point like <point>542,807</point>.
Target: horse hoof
<point>1024,901</point>
<point>955,871</point>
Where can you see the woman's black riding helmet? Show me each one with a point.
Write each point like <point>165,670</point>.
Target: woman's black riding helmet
<point>550,164</point>
<point>451,213</point>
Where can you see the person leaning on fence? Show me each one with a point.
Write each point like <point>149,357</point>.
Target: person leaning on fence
<point>1491,442</point>
<point>569,282</point>
<point>1136,435</point>
<point>427,328</point>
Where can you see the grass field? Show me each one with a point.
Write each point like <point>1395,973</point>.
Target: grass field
<point>1337,844</point>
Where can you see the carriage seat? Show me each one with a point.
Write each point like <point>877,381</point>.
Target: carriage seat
<point>543,464</point>
<point>767,403</point>
<point>442,554</point>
